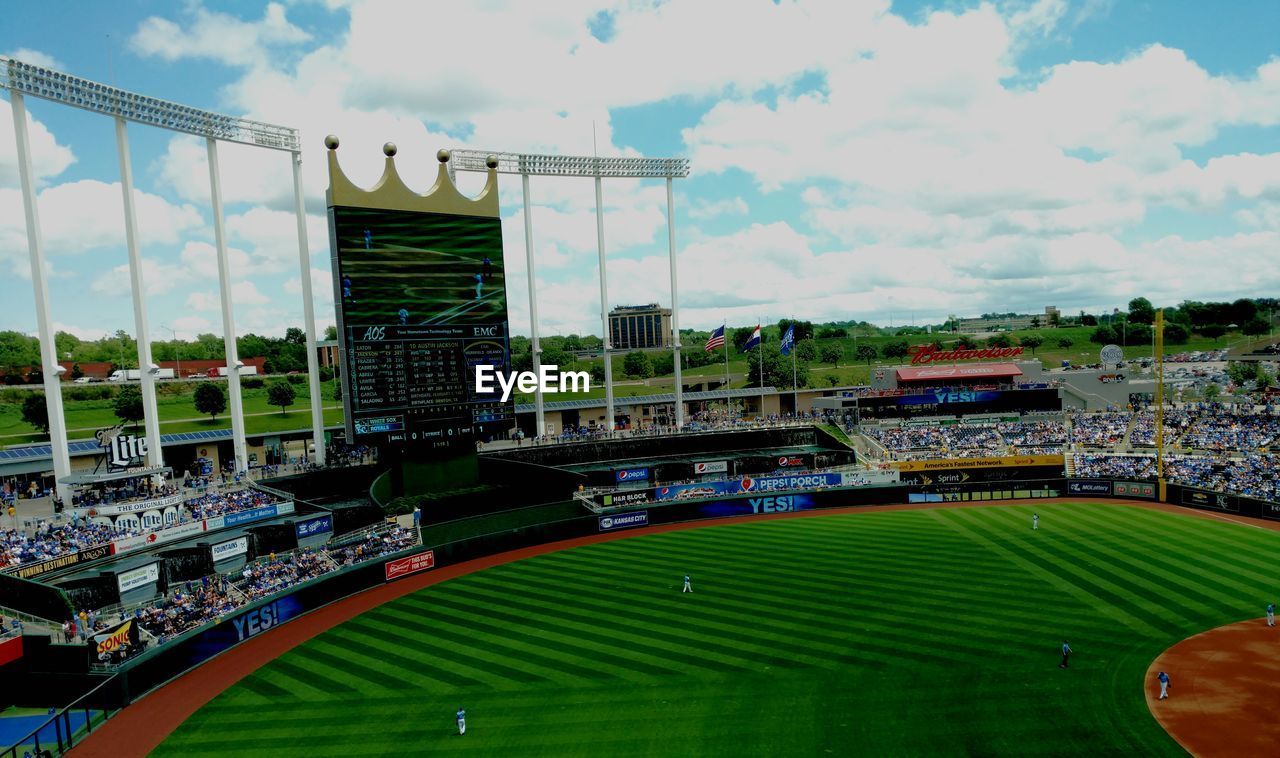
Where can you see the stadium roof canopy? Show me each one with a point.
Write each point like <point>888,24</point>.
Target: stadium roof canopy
<point>967,372</point>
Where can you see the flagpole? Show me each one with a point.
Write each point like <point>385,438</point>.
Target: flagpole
<point>760,347</point>
<point>725,335</point>
<point>795,392</point>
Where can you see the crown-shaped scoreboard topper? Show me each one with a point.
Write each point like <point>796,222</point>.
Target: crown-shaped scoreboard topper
<point>391,193</point>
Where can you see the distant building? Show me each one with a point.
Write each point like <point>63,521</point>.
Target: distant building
<point>1008,323</point>
<point>327,351</point>
<point>639,326</point>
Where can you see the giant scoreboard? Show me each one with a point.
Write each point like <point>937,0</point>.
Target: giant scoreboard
<point>421,301</point>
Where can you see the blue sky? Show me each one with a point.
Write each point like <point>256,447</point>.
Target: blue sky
<point>850,159</point>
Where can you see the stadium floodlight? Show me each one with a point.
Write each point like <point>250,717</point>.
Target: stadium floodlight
<point>597,168</point>
<point>20,80</point>
<point>48,84</point>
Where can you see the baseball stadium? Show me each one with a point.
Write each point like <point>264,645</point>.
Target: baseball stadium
<point>967,548</point>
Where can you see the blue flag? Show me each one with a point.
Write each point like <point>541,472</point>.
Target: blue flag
<point>789,340</point>
<point>754,340</point>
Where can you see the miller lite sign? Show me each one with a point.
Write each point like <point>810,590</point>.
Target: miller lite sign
<point>121,450</point>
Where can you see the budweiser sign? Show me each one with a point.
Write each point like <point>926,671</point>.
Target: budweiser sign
<point>924,354</point>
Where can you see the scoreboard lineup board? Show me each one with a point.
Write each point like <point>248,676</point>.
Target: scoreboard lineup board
<point>421,301</point>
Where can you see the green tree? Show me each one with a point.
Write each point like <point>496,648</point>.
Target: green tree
<point>1088,319</point>
<point>35,411</point>
<point>866,353</point>
<point>806,350</point>
<point>1032,341</point>
<point>76,371</point>
<point>210,398</point>
<point>17,350</point>
<point>128,404</point>
<point>597,373</point>
<point>1212,331</point>
<point>1065,343</point>
<point>777,369</point>
<point>295,336</point>
<point>804,329</point>
<point>663,363</point>
<point>1244,373</point>
<point>1055,319</point>
<point>1103,335</point>
<point>1256,326</point>
<point>330,332</point>
<point>832,380</point>
<point>1141,311</point>
<point>896,349</point>
<point>637,364</point>
<point>999,340</point>
<point>741,335</point>
<point>1212,392</point>
<point>965,342</point>
<point>832,353</point>
<point>1176,334</point>
<point>1137,334</point>
<point>281,395</point>
<point>832,332</point>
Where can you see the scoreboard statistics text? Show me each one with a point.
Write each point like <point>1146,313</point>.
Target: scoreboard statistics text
<point>421,301</point>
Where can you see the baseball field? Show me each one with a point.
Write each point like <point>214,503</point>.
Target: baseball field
<point>904,632</point>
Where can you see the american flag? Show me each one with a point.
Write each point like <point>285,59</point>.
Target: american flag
<point>716,340</point>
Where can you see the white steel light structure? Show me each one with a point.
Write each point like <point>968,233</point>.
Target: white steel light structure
<point>20,80</point>
<point>528,164</point>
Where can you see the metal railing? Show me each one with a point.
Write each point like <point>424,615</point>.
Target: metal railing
<point>66,728</point>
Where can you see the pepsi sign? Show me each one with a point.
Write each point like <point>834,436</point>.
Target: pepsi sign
<point>632,475</point>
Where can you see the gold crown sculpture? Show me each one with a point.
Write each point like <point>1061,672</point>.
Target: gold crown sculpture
<point>390,192</point>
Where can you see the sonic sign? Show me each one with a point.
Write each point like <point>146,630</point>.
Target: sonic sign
<point>925,354</point>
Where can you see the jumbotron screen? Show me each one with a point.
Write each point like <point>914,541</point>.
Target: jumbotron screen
<point>421,300</point>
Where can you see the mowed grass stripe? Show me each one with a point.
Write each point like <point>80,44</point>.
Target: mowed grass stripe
<point>470,634</point>
<point>428,639</point>
<point>787,583</point>
<point>569,648</point>
<point>1090,564</point>
<point>779,611</point>
<point>743,654</point>
<point>402,652</point>
<point>1065,578</point>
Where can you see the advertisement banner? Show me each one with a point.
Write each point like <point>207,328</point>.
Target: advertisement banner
<point>747,484</point>
<point>948,397</point>
<point>139,577</point>
<point>10,650</point>
<point>135,506</point>
<point>615,499</point>
<point>313,526</point>
<point>253,514</point>
<point>1003,461</point>
<point>624,521</point>
<point>1271,510</point>
<point>63,561</point>
<point>1088,487</point>
<point>631,475</point>
<point>264,617</point>
<point>789,461</point>
<point>1203,499</point>
<point>1134,489</point>
<point>711,467</point>
<point>111,640</point>
<point>869,478</point>
<point>410,565</point>
<point>748,506</point>
<point>230,549</point>
<point>169,534</point>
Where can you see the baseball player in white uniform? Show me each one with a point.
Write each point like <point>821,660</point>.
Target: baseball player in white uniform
<point>687,586</point>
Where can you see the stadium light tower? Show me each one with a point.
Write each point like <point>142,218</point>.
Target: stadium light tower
<point>24,79</point>
<point>528,164</point>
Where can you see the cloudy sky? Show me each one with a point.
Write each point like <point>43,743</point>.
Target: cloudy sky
<point>851,159</point>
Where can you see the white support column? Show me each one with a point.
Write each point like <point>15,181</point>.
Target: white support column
<point>675,306</point>
<point>228,316</point>
<point>535,346</point>
<point>150,414</point>
<point>604,311</point>
<point>308,315</point>
<point>40,285</point>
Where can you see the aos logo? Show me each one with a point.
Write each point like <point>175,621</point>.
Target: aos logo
<point>375,333</point>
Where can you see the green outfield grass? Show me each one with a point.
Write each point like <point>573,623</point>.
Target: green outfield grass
<point>931,632</point>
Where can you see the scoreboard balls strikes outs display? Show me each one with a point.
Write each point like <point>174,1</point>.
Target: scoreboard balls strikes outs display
<point>421,301</point>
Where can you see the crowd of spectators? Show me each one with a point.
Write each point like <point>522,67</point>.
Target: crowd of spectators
<point>1252,475</point>
<point>1043,434</point>
<point>218,596</point>
<point>1231,431</point>
<point>122,491</point>
<point>1027,437</point>
<point>1099,429</point>
<point>1109,466</point>
<point>52,539</point>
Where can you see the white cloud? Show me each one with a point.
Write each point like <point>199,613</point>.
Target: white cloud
<point>83,332</point>
<point>48,157</point>
<point>36,58</point>
<point>157,277</point>
<point>703,210</point>
<point>218,37</point>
